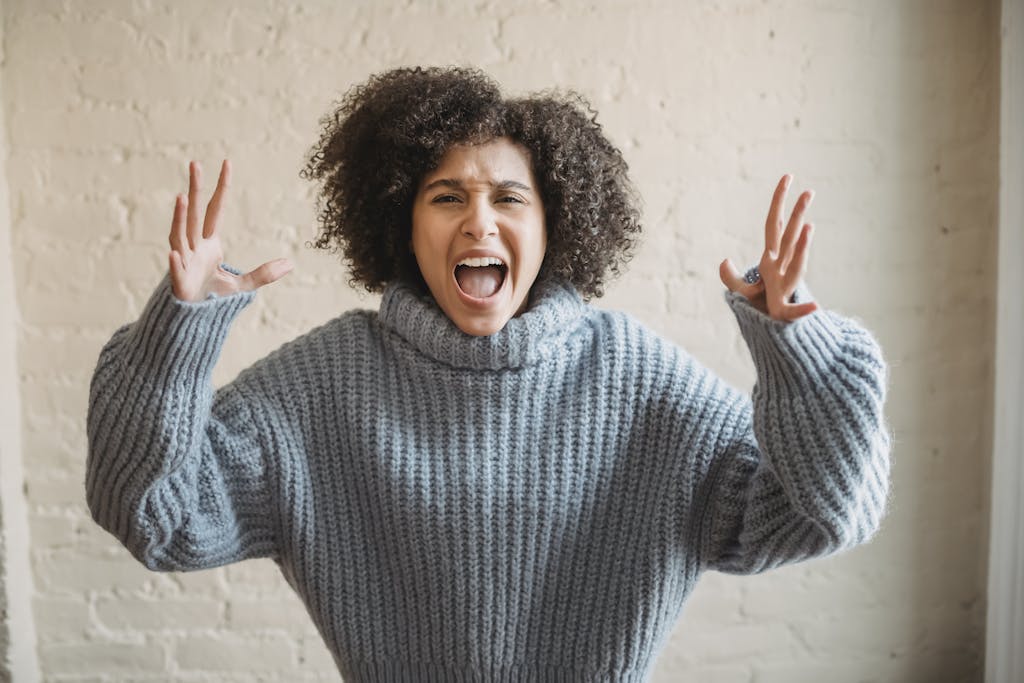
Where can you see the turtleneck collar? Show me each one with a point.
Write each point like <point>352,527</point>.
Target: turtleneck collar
<point>555,311</point>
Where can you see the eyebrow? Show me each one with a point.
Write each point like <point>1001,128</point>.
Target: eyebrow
<point>457,184</point>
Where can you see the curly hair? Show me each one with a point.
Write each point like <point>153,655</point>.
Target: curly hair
<point>389,132</point>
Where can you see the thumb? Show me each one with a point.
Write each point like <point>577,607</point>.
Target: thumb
<point>271,271</point>
<point>729,275</point>
<point>734,281</point>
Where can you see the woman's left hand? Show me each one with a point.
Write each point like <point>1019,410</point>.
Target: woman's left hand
<point>783,262</point>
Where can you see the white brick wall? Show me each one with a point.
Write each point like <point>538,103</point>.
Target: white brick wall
<point>887,109</point>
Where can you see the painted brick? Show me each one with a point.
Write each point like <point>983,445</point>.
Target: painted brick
<point>887,109</point>
<point>113,658</point>
<point>158,614</point>
<point>285,613</point>
<point>219,652</point>
<point>62,619</point>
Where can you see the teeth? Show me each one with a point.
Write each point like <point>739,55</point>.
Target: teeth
<point>481,261</point>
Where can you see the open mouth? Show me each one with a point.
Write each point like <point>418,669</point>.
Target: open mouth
<point>481,278</point>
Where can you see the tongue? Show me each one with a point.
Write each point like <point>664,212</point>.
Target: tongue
<point>480,282</point>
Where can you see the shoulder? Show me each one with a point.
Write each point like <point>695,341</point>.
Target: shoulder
<point>324,350</point>
<point>665,371</point>
<point>625,334</point>
<point>347,330</point>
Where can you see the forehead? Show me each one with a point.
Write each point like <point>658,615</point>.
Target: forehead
<point>498,159</point>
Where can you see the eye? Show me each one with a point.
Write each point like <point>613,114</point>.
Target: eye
<point>510,199</point>
<point>444,199</point>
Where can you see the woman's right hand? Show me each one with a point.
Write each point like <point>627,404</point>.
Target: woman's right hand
<point>196,254</point>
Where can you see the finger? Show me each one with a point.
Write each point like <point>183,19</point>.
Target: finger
<point>177,270</point>
<point>177,237</point>
<point>732,279</point>
<point>798,265</point>
<point>192,224</point>
<point>213,209</point>
<point>793,229</point>
<point>271,271</point>
<point>773,225</point>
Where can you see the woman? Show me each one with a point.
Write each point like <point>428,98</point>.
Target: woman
<point>486,479</point>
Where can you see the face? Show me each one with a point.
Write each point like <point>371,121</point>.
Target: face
<point>478,234</point>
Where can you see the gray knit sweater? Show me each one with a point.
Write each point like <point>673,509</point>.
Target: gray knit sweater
<point>534,505</point>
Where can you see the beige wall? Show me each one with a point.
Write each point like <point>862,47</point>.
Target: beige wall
<point>18,659</point>
<point>8,378</point>
<point>887,109</point>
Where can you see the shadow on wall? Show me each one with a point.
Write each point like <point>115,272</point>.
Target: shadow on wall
<point>946,111</point>
<point>5,638</point>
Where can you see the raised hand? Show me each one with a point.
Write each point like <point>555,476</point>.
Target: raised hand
<point>783,262</point>
<point>196,253</point>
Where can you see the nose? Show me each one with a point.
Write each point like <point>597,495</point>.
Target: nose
<point>479,221</point>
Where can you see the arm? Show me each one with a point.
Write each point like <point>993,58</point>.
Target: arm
<point>803,470</point>
<point>176,471</point>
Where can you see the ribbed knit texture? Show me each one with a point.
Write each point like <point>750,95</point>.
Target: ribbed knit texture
<point>531,506</point>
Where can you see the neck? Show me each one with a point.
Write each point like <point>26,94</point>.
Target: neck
<point>552,312</point>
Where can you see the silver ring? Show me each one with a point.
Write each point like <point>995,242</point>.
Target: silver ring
<point>752,276</point>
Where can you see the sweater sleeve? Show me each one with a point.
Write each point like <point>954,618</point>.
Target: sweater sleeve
<point>803,468</point>
<point>175,470</point>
